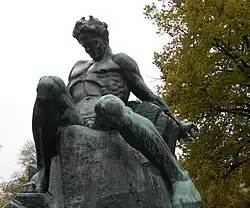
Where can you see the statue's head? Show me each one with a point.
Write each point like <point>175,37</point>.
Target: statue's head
<point>93,35</point>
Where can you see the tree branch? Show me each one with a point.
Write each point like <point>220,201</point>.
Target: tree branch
<point>242,65</point>
<point>232,111</point>
<point>236,165</point>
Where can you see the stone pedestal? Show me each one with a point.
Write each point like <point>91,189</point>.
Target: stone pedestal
<point>31,200</point>
<point>100,170</point>
<point>55,184</point>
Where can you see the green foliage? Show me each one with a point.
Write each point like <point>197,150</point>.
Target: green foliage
<point>12,186</point>
<point>8,188</point>
<point>206,74</point>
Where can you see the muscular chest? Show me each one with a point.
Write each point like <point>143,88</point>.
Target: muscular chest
<point>97,79</point>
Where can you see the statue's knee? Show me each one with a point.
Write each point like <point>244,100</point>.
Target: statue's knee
<point>49,86</point>
<point>109,105</point>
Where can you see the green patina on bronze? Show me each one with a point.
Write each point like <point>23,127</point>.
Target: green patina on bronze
<point>69,120</point>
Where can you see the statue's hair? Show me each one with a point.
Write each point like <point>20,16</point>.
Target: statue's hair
<point>93,25</point>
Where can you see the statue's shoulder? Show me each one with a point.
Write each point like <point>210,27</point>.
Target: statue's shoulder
<point>125,62</point>
<point>80,63</point>
<point>79,67</point>
<point>120,58</point>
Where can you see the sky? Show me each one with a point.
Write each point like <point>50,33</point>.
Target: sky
<point>36,40</point>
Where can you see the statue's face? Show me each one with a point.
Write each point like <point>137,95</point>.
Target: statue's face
<point>95,46</point>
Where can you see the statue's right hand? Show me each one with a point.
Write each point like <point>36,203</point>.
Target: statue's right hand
<point>90,124</point>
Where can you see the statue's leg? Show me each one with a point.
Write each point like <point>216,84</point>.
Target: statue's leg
<point>140,133</point>
<point>53,109</point>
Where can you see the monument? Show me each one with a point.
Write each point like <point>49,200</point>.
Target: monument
<point>95,148</point>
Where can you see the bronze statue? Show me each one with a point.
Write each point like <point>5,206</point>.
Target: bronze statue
<point>97,97</point>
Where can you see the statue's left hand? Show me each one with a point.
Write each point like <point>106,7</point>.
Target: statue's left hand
<point>191,132</point>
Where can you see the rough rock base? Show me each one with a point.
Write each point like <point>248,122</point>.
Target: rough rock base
<point>100,170</point>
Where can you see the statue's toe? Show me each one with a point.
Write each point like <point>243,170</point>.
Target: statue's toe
<point>186,195</point>
<point>36,184</point>
<point>30,187</point>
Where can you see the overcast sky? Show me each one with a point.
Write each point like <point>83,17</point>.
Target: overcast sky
<point>36,40</point>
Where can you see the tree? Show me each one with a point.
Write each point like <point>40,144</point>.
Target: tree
<point>206,74</point>
<point>26,157</point>
<point>12,186</point>
<point>27,154</point>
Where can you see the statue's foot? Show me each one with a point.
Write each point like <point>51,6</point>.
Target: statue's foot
<point>185,195</point>
<point>32,187</point>
<point>36,184</point>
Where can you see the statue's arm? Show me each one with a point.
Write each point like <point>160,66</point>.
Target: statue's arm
<point>136,84</point>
